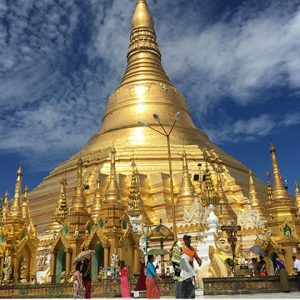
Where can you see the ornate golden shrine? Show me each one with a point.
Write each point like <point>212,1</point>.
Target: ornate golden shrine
<point>18,239</point>
<point>99,216</point>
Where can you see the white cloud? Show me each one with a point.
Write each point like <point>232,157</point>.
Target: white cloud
<point>60,62</point>
<point>251,129</point>
<point>236,58</point>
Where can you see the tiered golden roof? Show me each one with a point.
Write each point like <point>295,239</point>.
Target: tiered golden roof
<point>5,209</point>
<point>134,201</point>
<point>113,208</point>
<point>186,191</point>
<point>145,89</point>
<point>96,210</point>
<point>78,215</point>
<point>223,209</point>
<point>18,237</point>
<point>25,207</point>
<point>282,205</point>
<point>16,204</point>
<point>61,209</point>
<point>256,203</point>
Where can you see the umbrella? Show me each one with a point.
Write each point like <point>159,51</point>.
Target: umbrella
<point>84,255</point>
<point>258,250</point>
<point>158,251</point>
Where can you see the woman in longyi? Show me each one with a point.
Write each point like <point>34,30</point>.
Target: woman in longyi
<point>151,277</point>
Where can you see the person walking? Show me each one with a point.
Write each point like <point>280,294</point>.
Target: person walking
<point>78,286</point>
<point>176,252</point>
<point>86,277</point>
<point>283,275</point>
<point>125,289</point>
<point>190,251</point>
<point>152,290</point>
<point>297,269</point>
<point>188,276</point>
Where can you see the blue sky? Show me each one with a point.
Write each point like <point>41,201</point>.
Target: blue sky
<point>236,62</point>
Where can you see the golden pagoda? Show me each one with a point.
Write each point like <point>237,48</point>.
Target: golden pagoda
<point>144,90</point>
<point>98,214</point>
<point>283,222</point>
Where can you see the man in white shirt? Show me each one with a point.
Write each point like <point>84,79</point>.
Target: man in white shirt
<point>188,276</point>
<point>297,270</point>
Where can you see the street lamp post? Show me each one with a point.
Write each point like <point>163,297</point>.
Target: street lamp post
<point>167,135</point>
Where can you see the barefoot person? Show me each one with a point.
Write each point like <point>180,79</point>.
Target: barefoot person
<point>78,286</point>
<point>125,289</point>
<point>151,277</point>
<point>190,251</point>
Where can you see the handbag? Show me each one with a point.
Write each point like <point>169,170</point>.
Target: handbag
<point>262,274</point>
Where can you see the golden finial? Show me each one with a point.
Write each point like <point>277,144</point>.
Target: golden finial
<point>62,207</point>
<point>25,207</point>
<point>134,201</point>
<point>253,198</point>
<point>223,209</point>
<point>272,148</point>
<point>144,58</point>
<point>79,202</point>
<point>252,191</point>
<point>96,210</point>
<point>297,197</point>
<point>112,191</point>
<point>15,207</point>
<point>5,210</point>
<point>278,191</point>
<point>269,188</point>
<point>186,191</point>
<point>142,16</point>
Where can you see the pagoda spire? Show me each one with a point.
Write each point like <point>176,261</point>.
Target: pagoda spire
<point>253,198</point>
<point>5,209</point>
<point>142,16</point>
<point>62,207</point>
<point>79,202</point>
<point>186,191</point>
<point>25,207</point>
<point>144,89</point>
<point>96,210</point>
<point>297,198</point>
<point>112,191</point>
<point>144,58</point>
<point>269,189</point>
<point>252,191</point>
<point>15,210</point>
<point>134,201</point>
<point>61,211</point>
<point>282,207</point>
<point>279,192</point>
<point>222,209</point>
